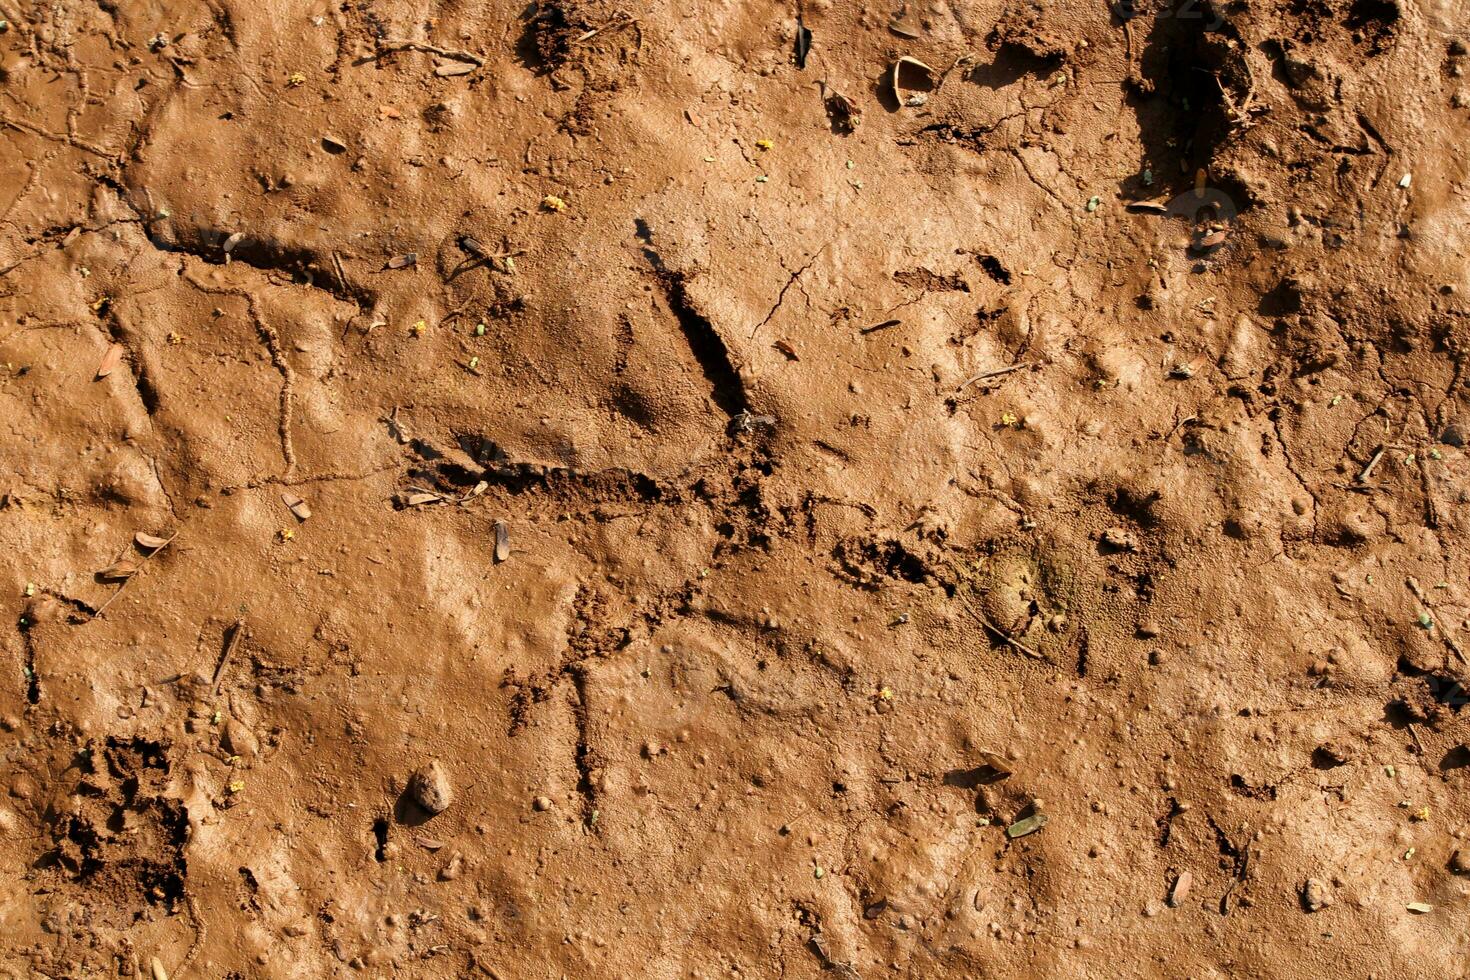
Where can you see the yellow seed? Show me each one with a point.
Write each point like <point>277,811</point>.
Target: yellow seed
<point>295,79</point>
<point>886,693</point>
<point>237,785</point>
<point>1009,418</point>
<point>764,144</point>
<point>286,534</point>
<point>418,328</point>
<point>553,203</point>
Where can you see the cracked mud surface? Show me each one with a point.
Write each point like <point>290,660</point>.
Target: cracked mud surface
<point>761,491</point>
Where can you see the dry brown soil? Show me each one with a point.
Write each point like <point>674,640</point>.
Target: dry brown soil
<point>764,495</point>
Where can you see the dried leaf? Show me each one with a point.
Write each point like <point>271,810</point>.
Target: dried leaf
<point>502,541</point>
<point>296,505</point>
<point>901,27</point>
<point>1180,891</point>
<point>149,541</point>
<point>1154,205</point>
<point>786,348</point>
<point>421,498</point>
<point>1000,768</point>
<point>403,261</point>
<point>474,246</point>
<point>232,241</point>
<point>1419,908</point>
<point>842,112</point>
<point>428,843</point>
<point>110,361</point>
<point>1029,825</point>
<point>119,571</point>
<point>803,44</point>
<point>454,68</point>
<point>1212,240</point>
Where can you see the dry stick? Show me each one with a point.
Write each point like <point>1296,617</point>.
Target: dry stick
<point>1004,637</point>
<point>1415,736</point>
<point>341,278</point>
<point>1368,470</point>
<point>1449,640</point>
<point>996,373</point>
<point>234,629</point>
<point>388,47</point>
<point>98,613</point>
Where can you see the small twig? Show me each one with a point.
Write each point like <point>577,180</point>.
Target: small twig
<point>389,47</point>
<point>341,276</point>
<point>1368,470</point>
<point>234,630</point>
<point>996,373</point>
<point>1449,640</point>
<point>619,21</point>
<point>124,585</point>
<point>880,326</point>
<point>1415,736</point>
<point>1180,424</point>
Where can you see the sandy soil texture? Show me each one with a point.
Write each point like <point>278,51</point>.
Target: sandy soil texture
<point>734,489</point>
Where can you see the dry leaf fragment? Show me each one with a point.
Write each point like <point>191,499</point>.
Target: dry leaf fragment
<point>1420,908</point>
<point>842,111</point>
<point>119,571</point>
<point>428,843</point>
<point>296,505</point>
<point>1180,891</point>
<point>232,241</point>
<point>150,542</point>
<point>421,498</point>
<point>1155,205</point>
<point>1029,825</point>
<point>454,68</point>
<point>1000,769</point>
<point>1213,240</point>
<point>502,541</point>
<point>110,361</point>
<point>786,348</point>
<point>803,43</point>
<point>403,261</point>
<point>900,26</point>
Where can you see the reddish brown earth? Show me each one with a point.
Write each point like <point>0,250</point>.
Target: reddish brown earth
<point>743,632</point>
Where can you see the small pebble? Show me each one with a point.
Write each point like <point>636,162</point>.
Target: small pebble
<point>429,788</point>
<point>1119,539</point>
